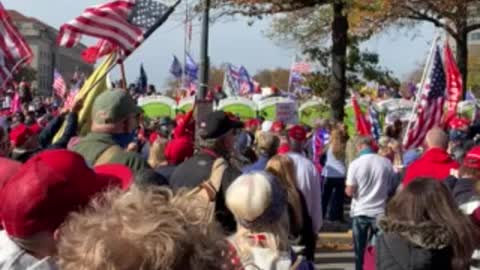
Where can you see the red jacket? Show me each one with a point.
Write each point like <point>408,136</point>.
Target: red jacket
<point>435,163</point>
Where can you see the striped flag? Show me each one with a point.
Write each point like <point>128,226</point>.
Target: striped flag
<point>301,67</point>
<point>14,51</point>
<point>59,86</point>
<point>123,23</point>
<point>298,69</point>
<point>430,107</point>
<point>73,93</point>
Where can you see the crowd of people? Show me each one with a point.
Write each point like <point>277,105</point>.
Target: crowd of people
<point>136,193</point>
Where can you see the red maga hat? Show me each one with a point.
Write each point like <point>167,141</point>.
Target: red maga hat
<point>49,186</point>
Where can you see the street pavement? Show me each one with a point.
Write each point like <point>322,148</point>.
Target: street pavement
<point>334,249</point>
<point>332,260</point>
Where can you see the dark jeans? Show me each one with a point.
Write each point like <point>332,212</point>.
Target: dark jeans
<point>364,229</point>
<point>333,196</point>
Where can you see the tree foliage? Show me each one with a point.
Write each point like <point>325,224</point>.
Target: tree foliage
<point>457,17</point>
<point>27,74</point>
<point>278,77</point>
<point>215,79</point>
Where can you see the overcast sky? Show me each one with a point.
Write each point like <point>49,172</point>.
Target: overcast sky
<point>233,41</point>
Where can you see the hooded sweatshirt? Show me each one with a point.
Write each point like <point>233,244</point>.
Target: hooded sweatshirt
<point>12,257</point>
<point>435,163</point>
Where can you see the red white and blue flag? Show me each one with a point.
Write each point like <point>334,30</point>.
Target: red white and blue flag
<point>59,85</point>
<point>14,50</point>
<point>123,23</point>
<point>297,72</point>
<point>429,111</point>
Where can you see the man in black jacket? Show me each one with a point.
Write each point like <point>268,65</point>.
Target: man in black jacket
<point>217,134</point>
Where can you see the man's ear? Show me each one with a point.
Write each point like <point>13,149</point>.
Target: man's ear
<point>56,235</point>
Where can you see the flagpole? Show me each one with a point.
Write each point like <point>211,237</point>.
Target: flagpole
<point>204,58</point>
<point>124,77</point>
<point>426,73</point>
<point>290,76</point>
<point>184,45</point>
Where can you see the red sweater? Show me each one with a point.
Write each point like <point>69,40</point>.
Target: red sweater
<point>435,163</point>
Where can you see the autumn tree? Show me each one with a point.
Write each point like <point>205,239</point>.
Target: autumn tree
<point>457,17</point>
<point>216,78</point>
<point>278,77</point>
<point>27,74</point>
<point>339,33</point>
<point>338,24</point>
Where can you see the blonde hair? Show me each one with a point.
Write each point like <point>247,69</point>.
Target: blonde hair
<point>141,230</point>
<point>156,155</point>
<point>248,197</point>
<point>283,168</point>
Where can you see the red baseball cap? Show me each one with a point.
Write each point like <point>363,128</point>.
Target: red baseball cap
<point>297,133</point>
<point>20,134</point>
<point>459,123</point>
<point>277,126</point>
<point>51,185</point>
<point>472,159</point>
<point>252,123</point>
<point>178,150</point>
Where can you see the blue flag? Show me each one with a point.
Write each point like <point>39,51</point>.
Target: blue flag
<point>244,79</point>
<point>191,68</point>
<point>176,68</point>
<point>142,82</point>
<point>374,120</point>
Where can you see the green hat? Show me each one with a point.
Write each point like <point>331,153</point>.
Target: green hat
<point>112,106</point>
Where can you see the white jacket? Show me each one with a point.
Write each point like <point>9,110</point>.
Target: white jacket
<point>12,257</point>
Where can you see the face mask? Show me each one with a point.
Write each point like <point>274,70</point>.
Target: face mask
<point>124,139</point>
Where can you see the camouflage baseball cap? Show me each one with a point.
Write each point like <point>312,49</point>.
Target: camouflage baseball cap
<point>112,106</point>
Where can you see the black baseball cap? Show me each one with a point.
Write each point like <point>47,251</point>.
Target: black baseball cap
<point>217,124</point>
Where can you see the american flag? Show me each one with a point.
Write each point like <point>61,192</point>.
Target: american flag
<point>301,67</point>
<point>430,107</point>
<point>123,23</point>
<point>59,86</point>
<point>73,94</point>
<point>14,51</point>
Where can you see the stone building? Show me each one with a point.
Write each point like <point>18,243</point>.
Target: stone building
<point>47,55</point>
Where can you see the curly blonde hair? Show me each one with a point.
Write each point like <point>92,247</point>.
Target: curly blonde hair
<point>141,230</point>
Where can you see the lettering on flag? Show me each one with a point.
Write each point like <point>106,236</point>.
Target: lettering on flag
<point>454,84</point>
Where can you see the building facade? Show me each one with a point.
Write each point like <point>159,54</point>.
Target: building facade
<point>47,56</point>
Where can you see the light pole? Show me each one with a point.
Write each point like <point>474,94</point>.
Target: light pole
<point>203,106</point>
<point>204,58</point>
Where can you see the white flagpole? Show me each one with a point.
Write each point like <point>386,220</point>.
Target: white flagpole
<point>426,74</point>
<point>290,77</point>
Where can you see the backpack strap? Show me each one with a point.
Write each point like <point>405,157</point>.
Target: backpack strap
<point>207,191</point>
<point>107,155</point>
